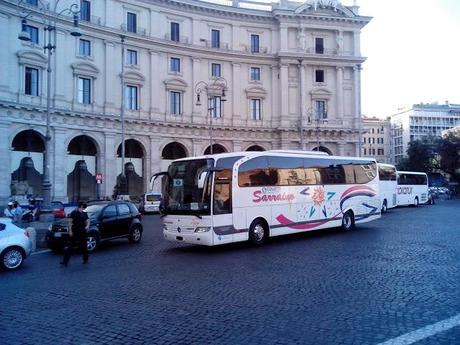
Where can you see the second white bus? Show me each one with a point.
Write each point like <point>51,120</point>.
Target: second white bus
<point>412,188</point>
<point>240,196</point>
<point>387,186</point>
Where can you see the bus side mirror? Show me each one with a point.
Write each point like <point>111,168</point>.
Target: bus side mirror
<point>202,179</point>
<point>154,177</point>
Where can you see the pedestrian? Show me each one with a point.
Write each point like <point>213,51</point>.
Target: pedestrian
<point>78,232</point>
<point>8,212</point>
<point>17,212</point>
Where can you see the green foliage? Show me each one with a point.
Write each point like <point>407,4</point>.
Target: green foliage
<point>421,156</point>
<point>449,152</point>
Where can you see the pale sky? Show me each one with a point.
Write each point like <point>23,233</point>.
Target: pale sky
<point>413,51</point>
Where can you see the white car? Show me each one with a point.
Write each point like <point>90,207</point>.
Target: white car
<point>15,245</point>
<point>151,202</point>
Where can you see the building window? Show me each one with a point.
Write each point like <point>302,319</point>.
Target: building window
<point>319,45</point>
<point>85,10</point>
<point>380,152</point>
<point>33,33</point>
<point>174,65</point>
<point>131,57</point>
<point>255,43</point>
<point>319,76</point>
<point>175,32</point>
<point>84,90</point>
<point>255,73</point>
<point>216,69</point>
<point>175,102</point>
<point>31,81</point>
<point>365,152</point>
<point>321,111</point>
<point>85,47</point>
<point>131,20</point>
<point>131,97</point>
<point>255,109</point>
<point>215,38</point>
<point>215,104</point>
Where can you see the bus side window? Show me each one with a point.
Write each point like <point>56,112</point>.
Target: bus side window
<point>254,172</point>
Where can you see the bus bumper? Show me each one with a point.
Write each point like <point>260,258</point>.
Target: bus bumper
<point>202,238</point>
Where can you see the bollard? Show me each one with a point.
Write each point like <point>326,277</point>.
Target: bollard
<point>33,237</point>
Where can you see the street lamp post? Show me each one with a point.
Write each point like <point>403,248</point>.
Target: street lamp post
<point>211,88</point>
<point>49,18</point>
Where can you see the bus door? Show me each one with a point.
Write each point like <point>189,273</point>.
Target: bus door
<point>222,201</point>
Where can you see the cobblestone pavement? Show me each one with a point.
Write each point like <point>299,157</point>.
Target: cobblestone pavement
<point>387,278</point>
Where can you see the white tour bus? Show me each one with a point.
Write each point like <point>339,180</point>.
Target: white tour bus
<point>387,186</point>
<point>412,188</point>
<point>231,197</point>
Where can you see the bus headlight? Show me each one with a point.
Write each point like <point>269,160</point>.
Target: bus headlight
<point>203,229</point>
<point>165,228</point>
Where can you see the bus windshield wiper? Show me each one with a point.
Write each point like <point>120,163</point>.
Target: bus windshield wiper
<point>197,215</point>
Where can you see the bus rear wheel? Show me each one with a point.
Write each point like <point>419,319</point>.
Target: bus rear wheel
<point>348,221</point>
<point>258,232</point>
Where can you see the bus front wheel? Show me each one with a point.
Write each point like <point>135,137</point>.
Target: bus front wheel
<point>258,232</point>
<point>416,201</point>
<point>348,221</point>
<point>384,206</point>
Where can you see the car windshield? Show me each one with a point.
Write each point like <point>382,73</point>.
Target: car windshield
<point>93,210</point>
<point>186,191</point>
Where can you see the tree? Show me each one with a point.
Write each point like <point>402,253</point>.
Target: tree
<point>449,152</point>
<point>421,156</point>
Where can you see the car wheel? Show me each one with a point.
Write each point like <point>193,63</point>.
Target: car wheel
<point>258,232</point>
<point>12,258</point>
<point>92,242</point>
<point>348,221</point>
<point>135,234</point>
<point>384,206</point>
<point>416,201</point>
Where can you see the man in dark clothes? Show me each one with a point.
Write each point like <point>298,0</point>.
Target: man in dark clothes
<point>78,227</point>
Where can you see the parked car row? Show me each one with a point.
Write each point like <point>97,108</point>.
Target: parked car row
<point>108,220</point>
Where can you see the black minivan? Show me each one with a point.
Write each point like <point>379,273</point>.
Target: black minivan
<point>108,220</point>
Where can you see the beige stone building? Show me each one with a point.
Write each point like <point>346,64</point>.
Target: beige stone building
<point>377,139</point>
<point>281,75</point>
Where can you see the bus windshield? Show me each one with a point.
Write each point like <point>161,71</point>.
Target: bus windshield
<point>186,191</point>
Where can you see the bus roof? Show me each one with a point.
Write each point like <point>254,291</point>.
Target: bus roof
<point>289,153</point>
<point>386,165</point>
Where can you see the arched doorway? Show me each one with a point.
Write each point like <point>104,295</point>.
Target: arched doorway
<point>323,149</point>
<point>81,169</point>
<point>216,148</point>
<point>134,170</point>
<point>255,148</point>
<point>173,150</point>
<point>27,164</point>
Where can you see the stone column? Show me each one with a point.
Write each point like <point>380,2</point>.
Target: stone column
<point>110,166</point>
<point>274,97</point>
<point>283,37</point>
<point>198,147</point>
<point>4,54</point>
<point>284,94</point>
<point>236,95</point>
<point>302,102</point>
<point>60,68</point>
<point>357,107</point>
<point>196,23</point>
<point>357,43</point>
<point>60,165</point>
<point>339,96</point>
<point>112,85</point>
<point>237,146</point>
<point>341,146</point>
<point>236,37</point>
<point>196,71</point>
<point>154,84</point>
<point>5,167</point>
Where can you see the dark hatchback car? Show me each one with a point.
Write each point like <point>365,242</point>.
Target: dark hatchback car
<point>108,220</point>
